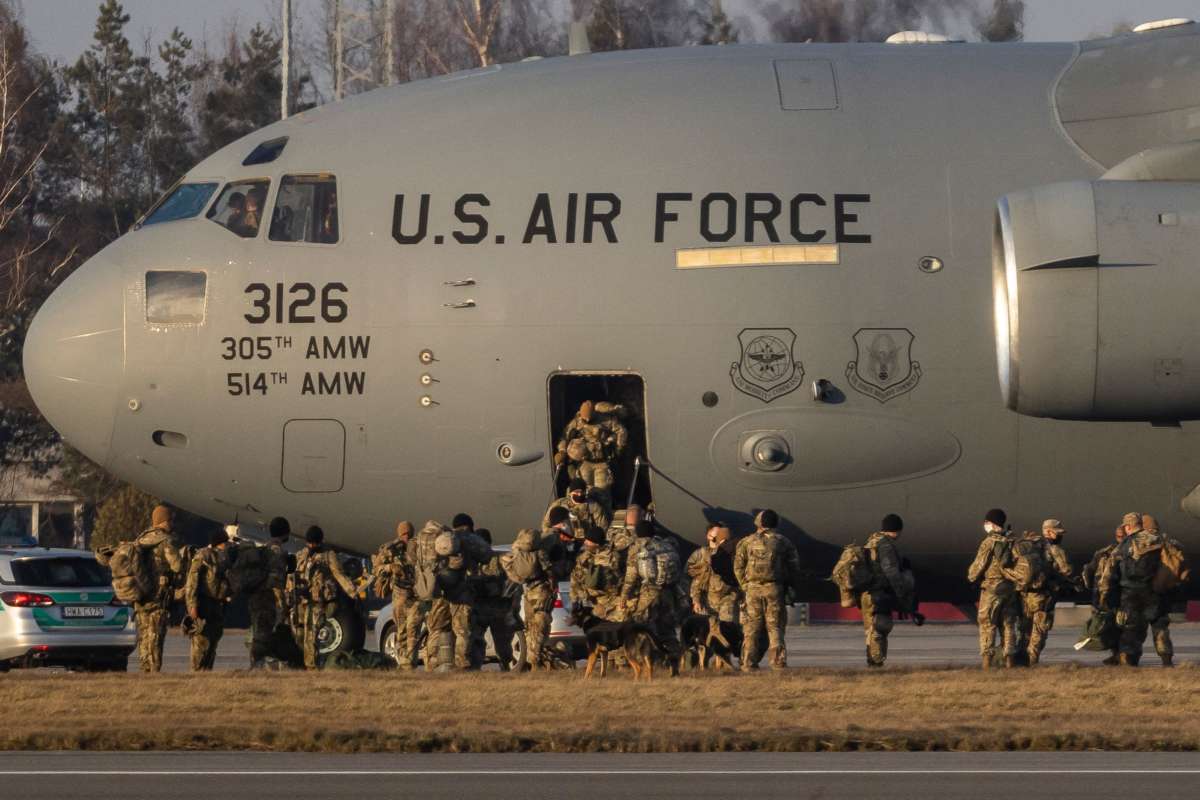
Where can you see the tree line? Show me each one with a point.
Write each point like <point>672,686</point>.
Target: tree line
<point>87,147</point>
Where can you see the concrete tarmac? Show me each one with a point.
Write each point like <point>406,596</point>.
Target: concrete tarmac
<point>856,776</point>
<point>821,646</point>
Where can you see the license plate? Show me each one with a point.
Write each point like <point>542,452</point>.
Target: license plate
<point>85,612</point>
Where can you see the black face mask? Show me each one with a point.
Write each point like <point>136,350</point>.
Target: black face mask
<point>577,498</point>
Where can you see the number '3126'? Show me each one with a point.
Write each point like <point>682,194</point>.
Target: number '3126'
<point>297,303</point>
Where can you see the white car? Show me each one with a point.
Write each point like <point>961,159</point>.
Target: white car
<point>57,608</point>
<point>564,637</point>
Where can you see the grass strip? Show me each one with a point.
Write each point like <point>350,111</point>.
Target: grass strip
<point>906,709</point>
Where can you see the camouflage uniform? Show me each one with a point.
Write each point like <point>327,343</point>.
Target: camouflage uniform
<point>1138,559</point>
<point>591,446</point>
<point>320,578</point>
<point>266,604</point>
<point>596,581</point>
<point>713,589</point>
<point>657,607</point>
<point>891,590</point>
<point>585,516</point>
<point>392,571</point>
<point>765,563</point>
<point>537,592</point>
<point>206,593</point>
<point>999,606</point>
<point>1037,606</point>
<point>494,612</point>
<point>153,615</point>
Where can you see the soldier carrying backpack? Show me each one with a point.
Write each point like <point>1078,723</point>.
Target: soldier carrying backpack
<point>320,581</point>
<point>146,572</point>
<point>765,564</point>
<point>1038,570</point>
<point>999,606</point>
<point>1140,560</point>
<point>528,566</point>
<point>891,588</point>
<point>394,578</point>
<point>650,591</point>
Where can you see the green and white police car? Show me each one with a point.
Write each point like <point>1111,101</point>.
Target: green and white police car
<point>57,609</point>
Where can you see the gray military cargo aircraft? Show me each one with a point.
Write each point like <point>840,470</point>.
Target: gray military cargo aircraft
<point>796,267</point>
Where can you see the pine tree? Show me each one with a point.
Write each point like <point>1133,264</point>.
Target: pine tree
<point>122,517</point>
<point>171,138</point>
<point>109,86</point>
<point>716,27</point>
<point>247,97</point>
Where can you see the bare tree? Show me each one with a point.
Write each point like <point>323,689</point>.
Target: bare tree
<point>476,21</point>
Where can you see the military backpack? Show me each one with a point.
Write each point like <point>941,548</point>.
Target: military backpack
<point>1173,569</point>
<point>249,569</point>
<point>521,564</point>
<point>1141,557</point>
<point>426,564</point>
<point>133,575</point>
<point>763,561</point>
<point>1028,569</point>
<point>657,562</point>
<point>852,574</point>
<point>317,579</point>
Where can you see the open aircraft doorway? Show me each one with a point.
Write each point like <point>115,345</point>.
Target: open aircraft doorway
<point>618,400</point>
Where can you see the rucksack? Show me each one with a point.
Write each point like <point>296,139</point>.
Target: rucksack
<point>1173,568</point>
<point>1137,557</point>
<point>133,577</point>
<point>762,559</point>
<point>316,575</point>
<point>521,563</point>
<point>249,569</point>
<point>1100,633</point>
<point>1028,570</point>
<point>657,562</point>
<point>425,561</point>
<point>851,574</point>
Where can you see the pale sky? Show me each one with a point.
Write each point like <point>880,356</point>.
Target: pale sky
<point>62,29</point>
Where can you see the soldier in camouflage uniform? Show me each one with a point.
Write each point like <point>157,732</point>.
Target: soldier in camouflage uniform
<point>529,567</point>
<point>205,596</point>
<point>1037,619</point>
<point>393,576</point>
<point>597,577</point>
<point>891,589</point>
<point>713,590</point>
<point>1160,625</point>
<point>320,579</point>
<point>1097,576</point>
<point>999,610</point>
<point>152,616</point>
<point>1138,559</point>
<point>765,565</point>
<point>653,604</point>
<point>494,610</point>
<point>589,445</point>
<point>585,514</point>
<point>266,604</point>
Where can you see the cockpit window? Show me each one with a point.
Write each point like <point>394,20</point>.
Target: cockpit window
<point>175,297</point>
<point>240,207</point>
<point>266,152</point>
<point>306,210</point>
<point>183,202</point>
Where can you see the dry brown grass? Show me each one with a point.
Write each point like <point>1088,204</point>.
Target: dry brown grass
<point>1068,708</point>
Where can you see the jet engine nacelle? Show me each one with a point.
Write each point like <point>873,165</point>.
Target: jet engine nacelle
<point>1096,287</point>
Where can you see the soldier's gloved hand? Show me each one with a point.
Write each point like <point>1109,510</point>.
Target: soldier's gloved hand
<point>559,458</point>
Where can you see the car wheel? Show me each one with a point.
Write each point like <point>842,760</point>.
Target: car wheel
<point>342,633</point>
<point>388,643</point>
<point>518,648</point>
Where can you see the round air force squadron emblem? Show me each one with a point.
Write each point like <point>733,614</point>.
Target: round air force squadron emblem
<point>884,368</point>
<point>768,368</point>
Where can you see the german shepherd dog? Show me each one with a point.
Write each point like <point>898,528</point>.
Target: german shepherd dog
<point>707,641</point>
<point>638,643</point>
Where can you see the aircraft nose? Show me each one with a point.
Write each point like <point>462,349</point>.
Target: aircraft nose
<point>74,357</point>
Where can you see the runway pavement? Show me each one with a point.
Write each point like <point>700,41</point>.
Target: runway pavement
<point>861,776</point>
<point>821,646</point>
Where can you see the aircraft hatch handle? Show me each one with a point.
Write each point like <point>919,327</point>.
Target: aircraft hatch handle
<point>463,282</point>
<point>462,304</point>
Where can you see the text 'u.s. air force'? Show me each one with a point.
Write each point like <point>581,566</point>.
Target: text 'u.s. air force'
<point>596,218</point>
